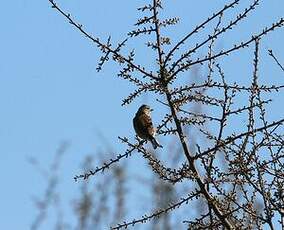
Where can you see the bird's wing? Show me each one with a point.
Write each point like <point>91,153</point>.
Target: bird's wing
<point>146,123</point>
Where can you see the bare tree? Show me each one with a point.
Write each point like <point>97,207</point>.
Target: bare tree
<point>236,172</point>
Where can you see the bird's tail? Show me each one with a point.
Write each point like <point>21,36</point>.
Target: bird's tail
<point>155,143</point>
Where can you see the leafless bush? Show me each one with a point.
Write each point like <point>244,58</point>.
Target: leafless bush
<point>91,207</point>
<point>237,172</point>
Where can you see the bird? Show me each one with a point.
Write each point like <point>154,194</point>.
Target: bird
<point>143,125</point>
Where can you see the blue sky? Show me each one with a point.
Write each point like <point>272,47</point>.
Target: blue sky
<point>50,90</point>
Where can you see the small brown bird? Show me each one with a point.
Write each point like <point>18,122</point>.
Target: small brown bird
<point>143,125</point>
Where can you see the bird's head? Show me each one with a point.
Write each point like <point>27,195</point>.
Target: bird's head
<point>145,109</point>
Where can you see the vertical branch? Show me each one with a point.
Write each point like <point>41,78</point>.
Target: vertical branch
<point>157,32</point>
<point>120,191</point>
<point>259,173</point>
<point>52,183</point>
<point>190,159</point>
<point>225,108</point>
<point>210,48</point>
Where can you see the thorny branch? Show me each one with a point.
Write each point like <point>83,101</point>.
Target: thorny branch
<point>275,59</point>
<point>252,159</point>
<point>117,55</point>
<point>158,213</point>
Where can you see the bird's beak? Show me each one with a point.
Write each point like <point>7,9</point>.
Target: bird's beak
<point>151,110</point>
